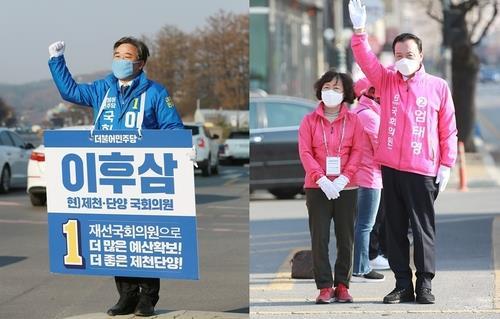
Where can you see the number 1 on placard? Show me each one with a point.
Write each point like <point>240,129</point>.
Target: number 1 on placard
<point>70,230</point>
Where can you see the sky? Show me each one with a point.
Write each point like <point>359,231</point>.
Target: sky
<point>89,28</point>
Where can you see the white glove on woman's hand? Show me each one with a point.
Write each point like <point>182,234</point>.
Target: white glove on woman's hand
<point>340,183</point>
<point>442,177</point>
<point>327,187</point>
<point>357,12</point>
<point>56,49</point>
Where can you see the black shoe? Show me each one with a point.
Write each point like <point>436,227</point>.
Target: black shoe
<point>144,308</point>
<point>425,296</point>
<point>124,306</point>
<point>400,295</point>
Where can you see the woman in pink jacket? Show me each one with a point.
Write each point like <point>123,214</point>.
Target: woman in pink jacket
<point>417,148</point>
<point>330,152</point>
<point>369,180</point>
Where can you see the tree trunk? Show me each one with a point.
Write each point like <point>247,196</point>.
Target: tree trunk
<point>465,67</point>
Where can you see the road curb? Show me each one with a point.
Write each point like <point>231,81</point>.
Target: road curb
<point>179,314</point>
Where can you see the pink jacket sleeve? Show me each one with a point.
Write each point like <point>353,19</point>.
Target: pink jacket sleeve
<point>447,129</point>
<point>311,166</point>
<point>352,164</point>
<point>367,60</point>
<point>371,123</point>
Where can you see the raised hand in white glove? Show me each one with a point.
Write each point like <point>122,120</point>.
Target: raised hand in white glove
<point>340,183</point>
<point>327,187</point>
<point>357,12</point>
<point>56,49</point>
<point>442,177</point>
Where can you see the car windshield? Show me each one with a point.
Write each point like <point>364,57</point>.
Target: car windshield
<point>239,135</point>
<point>194,129</point>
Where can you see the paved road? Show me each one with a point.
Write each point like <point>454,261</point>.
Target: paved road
<point>28,290</point>
<point>464,285</point>
<point>488,116</point>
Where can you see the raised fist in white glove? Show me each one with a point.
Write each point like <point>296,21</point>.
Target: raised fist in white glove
<point>340,183</point>
<point>442,177</point>
<point>327,187</point>
<point>357,12</point>
<point>56,49</point>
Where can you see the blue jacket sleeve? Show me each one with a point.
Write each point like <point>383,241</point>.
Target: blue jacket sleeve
<point>166,114</point>
<point>83,94</point>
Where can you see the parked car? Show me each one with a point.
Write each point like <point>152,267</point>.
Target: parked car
<point>274,125</point>
<point>14,156</point>
<point>37,183</point>
<point>207,148</point>
<point>488,74</point>
<point>236,147</point>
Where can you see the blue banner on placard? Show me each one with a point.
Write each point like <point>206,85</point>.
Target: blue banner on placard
<point>120,204</point>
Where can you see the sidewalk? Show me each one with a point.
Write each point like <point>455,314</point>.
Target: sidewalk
<point>467,282</point>
<point>170,315</point>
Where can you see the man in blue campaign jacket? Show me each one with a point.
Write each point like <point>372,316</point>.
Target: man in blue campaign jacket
<point>124,100</point>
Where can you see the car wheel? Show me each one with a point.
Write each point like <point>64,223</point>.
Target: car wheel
<point>206,170</point>
<point>284,193</point>
<point>5,180</point>
<point>38,199</point>
<point>215,168</point>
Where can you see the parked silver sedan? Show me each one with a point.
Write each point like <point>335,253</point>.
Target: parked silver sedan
<point>14,156</point>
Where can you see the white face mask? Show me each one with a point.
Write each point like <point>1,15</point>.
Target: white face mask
<point>331,98</point>
<point>407,66</point>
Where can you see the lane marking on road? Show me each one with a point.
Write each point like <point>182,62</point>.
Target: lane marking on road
<point>495,246</point>
<point>23,221</point>
<point>374,312</point>
<point>489,125</point>
<point>223,230</point>
<point>283,279</point>
<point>229,207</point>
<point>6,203</point>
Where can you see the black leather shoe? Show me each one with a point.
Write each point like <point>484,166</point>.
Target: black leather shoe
<point>425,296</point>
<point>400,295</point>
<point>124,306</point>
<point>144,308</point>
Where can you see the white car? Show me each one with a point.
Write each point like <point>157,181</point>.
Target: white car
<point>206,147</point>
<point>14,156</point>
<point>37,184</point>
<point>236,147</point>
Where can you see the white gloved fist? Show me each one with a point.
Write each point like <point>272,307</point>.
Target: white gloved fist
<point>327,187</point>
<point>443,177</point>
<point>192,156</point>
<point>56,49</point>
<point>357,12</point>
<point>340,183</point>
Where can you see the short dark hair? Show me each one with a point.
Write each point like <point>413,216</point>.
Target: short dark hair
<point>346,83</point>
<point>407,36</point>
<point>142,49</point>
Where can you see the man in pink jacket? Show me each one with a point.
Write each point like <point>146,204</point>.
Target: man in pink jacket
<point>417,148</point>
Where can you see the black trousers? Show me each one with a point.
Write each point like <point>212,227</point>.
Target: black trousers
<point>145,288</point>
<point>410,197</point>
<point>377,235</point>
<point>321,211</point>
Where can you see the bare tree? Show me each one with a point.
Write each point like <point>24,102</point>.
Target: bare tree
<point>468,23</point>
<point>7,115</point>
<point>210,64</point>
